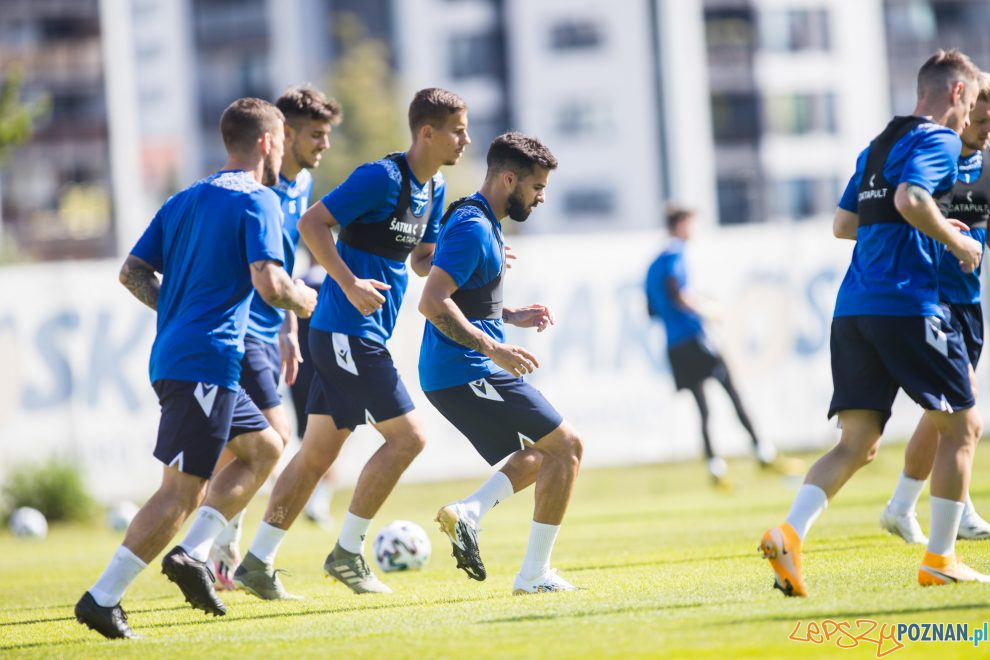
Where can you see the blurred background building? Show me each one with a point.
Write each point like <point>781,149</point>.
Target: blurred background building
<point>753,110</point>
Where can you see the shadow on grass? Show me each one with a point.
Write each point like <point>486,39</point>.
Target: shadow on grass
<point>592,613</point>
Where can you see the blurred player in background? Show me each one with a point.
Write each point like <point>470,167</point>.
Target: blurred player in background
<point>388,210</point>
<point>476,380</point>
<point>271,346</point>
<point>694,358</point>
<point>889,332</point>
<point>214,244</point>
<point>959,293</point>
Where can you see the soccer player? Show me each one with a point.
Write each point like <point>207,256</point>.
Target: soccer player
<point>889,332</point>
<point>271,346</point>
<point>388,211</point>
<point>214,243</point>
<point>476,380</point>
<point>959,293</point>
<point>694,358</point>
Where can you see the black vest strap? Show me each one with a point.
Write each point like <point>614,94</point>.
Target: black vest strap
<point>875,201</point>
<point>395,236</point>
<point>485,302</point>
<point>971,201</point>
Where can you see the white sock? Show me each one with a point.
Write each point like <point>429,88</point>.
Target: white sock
<point>906,495</point>
<point>808,504</point>
<point>266,542</point>
<point>352,533</point>
<point>969,511</point>
<point>124,566</point>
<point>497,489</point>
<point>537,559</point>
<point>205,528</point>
<point>946,515</point>
<point>231,534</point>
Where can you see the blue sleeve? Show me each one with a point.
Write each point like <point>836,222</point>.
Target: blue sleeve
<point>433,228</point>
<point>850,196</point>
<point>368,188</point>
<point>263,229</point>
<point>677,269</point>
<point>149,246</point>
<point>934,161</point>
<point>460,253</point>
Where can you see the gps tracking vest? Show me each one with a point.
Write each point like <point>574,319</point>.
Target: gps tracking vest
<point>875,201</point>
<point>971,201</point>
<point>396,236</point>
<point>485,302</point>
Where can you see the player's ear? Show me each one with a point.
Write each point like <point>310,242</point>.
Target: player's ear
<point>266,141</point>
<point>509,179</point>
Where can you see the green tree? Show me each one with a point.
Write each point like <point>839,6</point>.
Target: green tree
<point>374,123</point>
<point>16,117</point>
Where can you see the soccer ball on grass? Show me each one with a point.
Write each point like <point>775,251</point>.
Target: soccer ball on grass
<point>402,546</point>
<point>29,523</point>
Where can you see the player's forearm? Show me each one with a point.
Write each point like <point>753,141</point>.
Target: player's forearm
<point>845,224</point>
<point>141,281</point>
<point>448,319</point>
<point>280,291</point>
<point>290,324</point>
<point>421,262</point>
<point>315,229</point>
<point>920,210</point>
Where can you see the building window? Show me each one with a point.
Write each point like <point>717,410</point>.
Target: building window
<point>800,114</point>
<point>476,55</point>
<point>735,117</point>
<point>802,198</point>
<point>737,201</point>
<point>581,118</point>
<point>729,29</point>
<point>581,203</point>
<point>793,30</point>
<point>577,34</point>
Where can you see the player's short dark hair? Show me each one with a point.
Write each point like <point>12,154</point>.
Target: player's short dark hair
<point>305,102</point>
<point>245,121</point>
<point>678,214</point>
<point>944,68</point>
<point>518,153</point>
<point>433,106</point>
<point>984,87</point>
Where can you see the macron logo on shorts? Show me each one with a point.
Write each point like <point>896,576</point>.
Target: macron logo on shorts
<point>342,352</point>
<point>205,394</point>
<point>484,390</point>
<point>935,337</point>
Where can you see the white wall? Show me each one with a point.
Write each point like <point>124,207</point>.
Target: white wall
<point>74,347</point>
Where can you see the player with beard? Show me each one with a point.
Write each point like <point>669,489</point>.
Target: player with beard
<point>388,211</point>
<point>271,346</point>
<point>476,380</point>
<point>214,243</point>
<point>959,294</point>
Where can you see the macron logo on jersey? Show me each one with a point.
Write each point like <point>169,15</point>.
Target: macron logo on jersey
<point>484,390</point>
<point>205,394</point>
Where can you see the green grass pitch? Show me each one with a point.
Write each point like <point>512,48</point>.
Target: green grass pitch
<point>668,568</point>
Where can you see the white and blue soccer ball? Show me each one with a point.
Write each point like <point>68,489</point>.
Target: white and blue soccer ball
<point>120,514</point>
<point>402,546</point>
<point>28,523</point>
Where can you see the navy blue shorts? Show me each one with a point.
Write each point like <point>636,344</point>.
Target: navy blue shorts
<point>260,371</point>
<point>355,382</point>
<point>874,356</point>
<point>304,379</point>
<point>198,419</point>
<point>967,320</point>
<point>500,414</point>
<point>693,361</point>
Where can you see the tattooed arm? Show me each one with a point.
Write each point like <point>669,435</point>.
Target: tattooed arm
<point>278,290</point>
<point>438,307</point>
<point>140,279</point>
<point>920,210</point>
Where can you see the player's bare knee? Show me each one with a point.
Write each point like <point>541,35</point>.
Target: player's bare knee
<point>408,446</point>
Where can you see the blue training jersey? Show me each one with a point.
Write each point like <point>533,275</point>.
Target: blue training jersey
<point>955,286</point>
<point>203,241</point>
<point>680,324</point>
<point>469,249</point>
<point>894,266</point>
<point>370,194</point>
<point>265,321</point>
